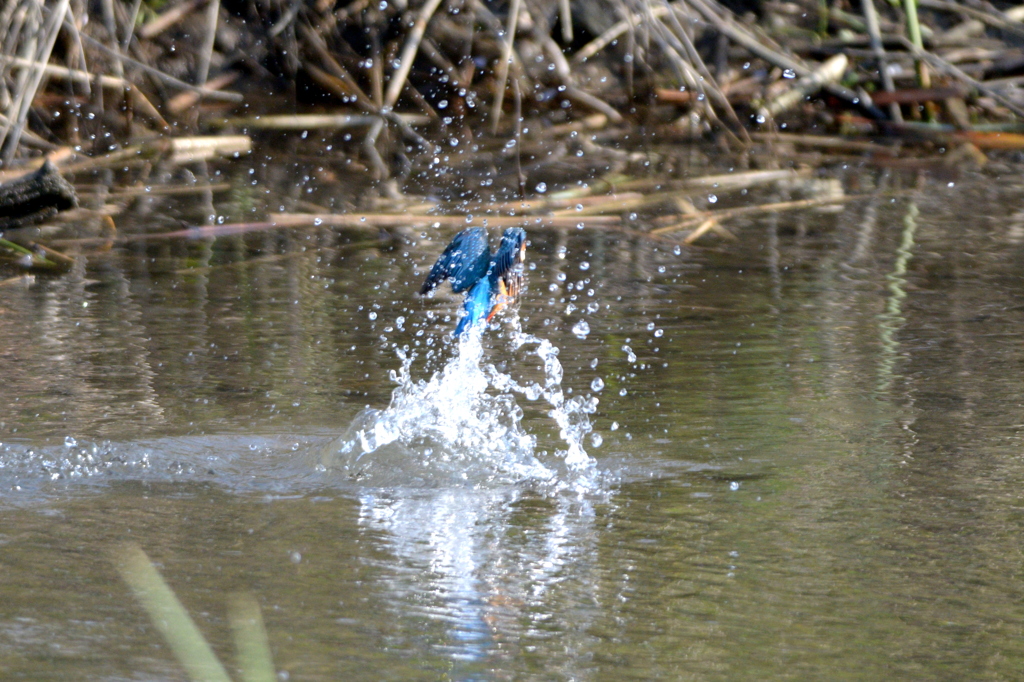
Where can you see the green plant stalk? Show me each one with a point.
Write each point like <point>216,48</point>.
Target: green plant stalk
<point>251,644</point>
<point>169,616</point>
<point>37,260</point>
<point>914,31</point>
<point>17,248</point>
<point>913,25</point>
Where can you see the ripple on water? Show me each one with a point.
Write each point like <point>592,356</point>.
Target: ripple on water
<point>461,427</point>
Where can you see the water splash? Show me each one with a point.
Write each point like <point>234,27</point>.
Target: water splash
<point>570,415</point>
<point>463,424</point>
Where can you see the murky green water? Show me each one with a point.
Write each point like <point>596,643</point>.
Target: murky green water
<point>811,455</point>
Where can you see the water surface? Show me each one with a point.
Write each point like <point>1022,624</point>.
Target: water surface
<point>804,463</point>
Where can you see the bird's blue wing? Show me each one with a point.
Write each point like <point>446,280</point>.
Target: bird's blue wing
<point>510,253</point>
<point>464,261</point>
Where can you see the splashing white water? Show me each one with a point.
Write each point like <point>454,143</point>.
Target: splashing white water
<point>570,415</point>
<point>464,424</point>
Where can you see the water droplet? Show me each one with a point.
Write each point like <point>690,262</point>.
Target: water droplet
<point>373,316</point>
<point>584,265</point>
<point>630,355</point>
<point>542,187</point>
<point>596,440</point>
<point>581,329</point>
<point>70,442</point>
<point>597,384</point>
<point>789,73</point>
<point>623,391</point>
<point>712,199</point>
<point>735,485</point>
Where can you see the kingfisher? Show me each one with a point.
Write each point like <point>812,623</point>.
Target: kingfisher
<point>490,283</point>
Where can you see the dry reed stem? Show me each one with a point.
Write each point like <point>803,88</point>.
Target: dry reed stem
<point>177,149</point>
<point>12,131</point>
<point>155,27</point>
<point>83,78</point>
<point>942,65</point>
<point>565,16</point>
<point>659,32</point>
<point>709,225</point>
<point>825,142</point>
<point>777,207</point>
<point>206,147</point>
<point>564,71</point>
<point>63,260</point>
<point>128,192</point>
<point>723,183</point>
<point>206,51</point>
<point>706,83</point>
<point>349,86</point>
<point>60,157</point>
<point>310,121</point>
<point>1008,21</point>
<point>412,44</point>
<point>164,77</point>
<point>615,32</point>
<point>20,280</point>
<point>188,99</point>
<point>370,148</point>
<point>378,220</point>
<point>829,72</point>
<point>741,36</point>
<point>110,23</point>
<point>531,207</point>
<point>371,223</point>
<point>875,36</point>
<point>503,65</point>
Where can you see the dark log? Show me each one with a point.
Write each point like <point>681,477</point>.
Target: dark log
<point>35,198</point>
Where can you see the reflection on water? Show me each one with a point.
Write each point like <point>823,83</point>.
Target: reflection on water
<point>804,455</point>
<point>479,573</point>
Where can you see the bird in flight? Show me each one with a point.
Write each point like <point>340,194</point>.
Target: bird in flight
<point>490,282</point>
